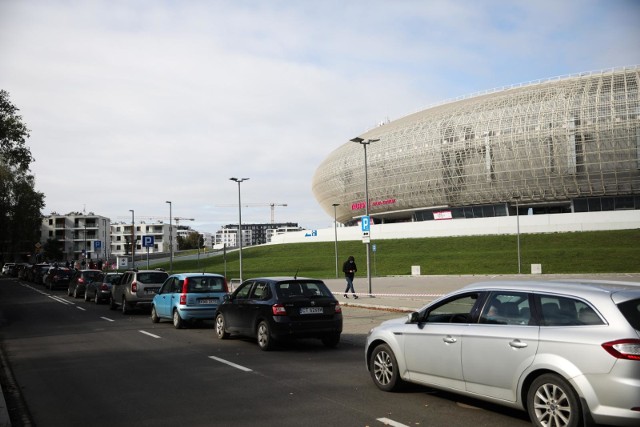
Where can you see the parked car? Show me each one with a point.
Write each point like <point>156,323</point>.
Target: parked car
<point>136,289</point>
<point>100,289</point>
<point>38,271</point>
<point>79,281</point>
<point>273,309</point>
<point>561,351</point>
<point>57,277</point>
<point>7,267</point>
<point>188,296</point>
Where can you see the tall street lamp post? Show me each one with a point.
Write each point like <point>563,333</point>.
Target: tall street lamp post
<point>335,234</point>
<point>133,239</point>
<point>365,143</point>
<point>170,240</point>
<point>239,180</point>
<point>518,231</point>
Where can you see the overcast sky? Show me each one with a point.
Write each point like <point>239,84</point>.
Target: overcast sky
<point>132,103</point>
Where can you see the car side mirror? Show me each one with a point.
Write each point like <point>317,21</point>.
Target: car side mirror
<point>413,317</point>
<point>226,297</point>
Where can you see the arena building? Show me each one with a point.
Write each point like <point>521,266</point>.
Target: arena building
<point>566,145</point>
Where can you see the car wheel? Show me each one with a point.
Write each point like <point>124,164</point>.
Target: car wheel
<point>69,292</point>
<point>177,320</point>
<point>125,307</point>
<point>331,340</point>
<point>263,334</point>
<point>154,315</point>
<point>86,295</point>
<point>112,303</point>
<point>96,299</point>
<point>75,293</point>
<point>220,332</point>
<point>552,401</point>
<point>383,367</point>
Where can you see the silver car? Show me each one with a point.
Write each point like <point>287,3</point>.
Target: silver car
<point>568,353</point>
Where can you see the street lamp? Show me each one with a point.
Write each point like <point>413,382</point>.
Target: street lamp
<point>170,240</point>
<point>239,180</point>
<point>335,233</point>
<point>364,143</point>
<point>518,233</point>
<point>133,239</point>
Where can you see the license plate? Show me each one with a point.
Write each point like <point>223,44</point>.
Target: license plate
<point>311,310</point>
<point>208,301</point>
<point>151,291</point>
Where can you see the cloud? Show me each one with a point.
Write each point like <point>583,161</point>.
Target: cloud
<point>132,103</point>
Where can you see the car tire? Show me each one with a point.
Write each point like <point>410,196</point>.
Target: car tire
<point>86,295</point>
<point>69,292</point>
<point>75,293</point>
<point>112,303</point>
<point>178,323</point>
<point>552,401</point>
<point>384,370</point>
<point>125,306</point>
<point>331,340</point>
<point>96,299</point>
<point>263,335</point>
<point>154,315</point>
<point>220,327</point>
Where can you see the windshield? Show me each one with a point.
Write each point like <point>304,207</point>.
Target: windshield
<point>302,288</point>
<point>205,284</point>
<point>154,277</point>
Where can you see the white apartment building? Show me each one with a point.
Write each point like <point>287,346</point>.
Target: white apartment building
<point>121,237</point>
<point>79,235</point>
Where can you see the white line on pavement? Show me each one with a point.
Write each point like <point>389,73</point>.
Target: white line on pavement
<point>242,368</point>
<point>80,308</point>
<point>388,422</point>
<point>151,335</point>
<point>61,300</point>
<point>107,319</point>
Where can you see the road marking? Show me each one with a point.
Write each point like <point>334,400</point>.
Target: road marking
<point>80,308</point>
<point>388,422</point>
<point>151,335</point>
<point>242,368</point>
<point>60,300</point>
<point>107,319</point>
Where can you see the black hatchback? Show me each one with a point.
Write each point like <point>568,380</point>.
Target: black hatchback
<point>273,309</point>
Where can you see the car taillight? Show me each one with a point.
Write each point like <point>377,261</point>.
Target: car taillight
<point>226,287</point>
<point>185,286</point>
<point>104,287</point>
<point>134,286</point>
<point>183,299</point>
<point>81,280</point>
<point>338,308</point>
<point>278,310</point>
<point>623,349</point>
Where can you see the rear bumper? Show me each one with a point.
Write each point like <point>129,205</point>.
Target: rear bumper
<point>285,328</point>
<point>189,313</point>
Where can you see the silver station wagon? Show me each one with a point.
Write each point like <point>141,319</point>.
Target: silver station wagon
<point>567,352</point>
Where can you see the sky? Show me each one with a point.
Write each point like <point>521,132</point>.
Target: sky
<point>132,103</point>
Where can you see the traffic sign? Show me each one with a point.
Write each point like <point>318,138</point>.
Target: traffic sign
<point>148,241</point>
<point>97,244</point>
<point>365,223</point>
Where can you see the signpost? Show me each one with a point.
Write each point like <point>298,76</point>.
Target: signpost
<point>148,242</point>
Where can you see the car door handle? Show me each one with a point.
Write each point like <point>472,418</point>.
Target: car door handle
<point>449,339</point>
<point>518,344</point>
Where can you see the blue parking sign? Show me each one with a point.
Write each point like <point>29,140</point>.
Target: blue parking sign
<point>365,224</point>
<point>148,241</point>
<point>97,245</point>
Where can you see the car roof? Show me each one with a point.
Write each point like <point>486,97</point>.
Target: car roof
<point>283,279</point>
<point>579,287</point>
<point>196,275</point>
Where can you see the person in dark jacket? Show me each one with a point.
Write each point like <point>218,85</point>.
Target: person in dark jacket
<point>349,268</point>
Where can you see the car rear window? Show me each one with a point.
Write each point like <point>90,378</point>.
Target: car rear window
<point>153,277</point>
<point>205,284</point>
<point>631,311</point>
<point>92,274</point>
<point>113,278</point>
<point>302,288</point>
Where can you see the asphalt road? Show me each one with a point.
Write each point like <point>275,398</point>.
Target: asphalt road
<point>75,363</point>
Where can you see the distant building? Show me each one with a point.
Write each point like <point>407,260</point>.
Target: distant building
<point>78,235</point>
<point>252,234</point>
<point>121,237</point>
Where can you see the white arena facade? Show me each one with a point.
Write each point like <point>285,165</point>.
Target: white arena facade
<point>564,151</point>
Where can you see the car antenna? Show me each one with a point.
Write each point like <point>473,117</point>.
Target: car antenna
<point>295,276</point>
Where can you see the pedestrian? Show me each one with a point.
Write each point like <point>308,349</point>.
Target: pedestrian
<point>349,268</point>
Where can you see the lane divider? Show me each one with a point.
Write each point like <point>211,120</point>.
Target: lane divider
<point>149,334</point>
<point>226,362</point>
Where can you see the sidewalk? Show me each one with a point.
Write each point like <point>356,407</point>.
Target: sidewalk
<point>410,293</point>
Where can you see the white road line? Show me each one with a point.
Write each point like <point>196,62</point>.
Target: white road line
<point>107,319</point>
<point>242,368</point>
<point>151,335</point>
<point>388,422</point>
<point>81,308</point>
<point>61,300</point>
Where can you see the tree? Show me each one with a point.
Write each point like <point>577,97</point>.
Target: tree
<point>53,250</point>
<point>20,203</point>
<point>192,241</point>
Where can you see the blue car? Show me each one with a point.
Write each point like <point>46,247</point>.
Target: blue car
<point>188,296</point>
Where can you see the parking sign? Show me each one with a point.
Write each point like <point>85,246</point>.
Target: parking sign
<point>148,241</point>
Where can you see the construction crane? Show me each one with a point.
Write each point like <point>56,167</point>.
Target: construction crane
<point>253,205</point>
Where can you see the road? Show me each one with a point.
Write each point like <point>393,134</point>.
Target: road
<point>76,363</point>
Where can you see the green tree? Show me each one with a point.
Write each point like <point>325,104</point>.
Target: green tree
<point>53,250</point>
<point>192,241</point>
<point>20,203</point>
